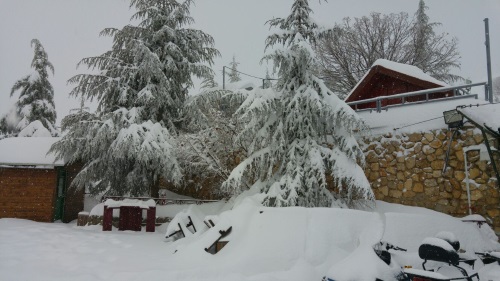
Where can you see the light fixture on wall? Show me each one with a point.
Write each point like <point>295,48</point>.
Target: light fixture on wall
<point>453,119</point>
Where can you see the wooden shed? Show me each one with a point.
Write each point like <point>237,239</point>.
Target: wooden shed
<point>387,78</point>
<point>33,185</point>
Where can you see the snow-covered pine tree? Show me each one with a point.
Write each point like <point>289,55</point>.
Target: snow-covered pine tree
<point>141,85</point>
<point>422,32</point>
<point>432,52</point>
<point>36,97</point>
<point>234,75</point>
<point>302,135</point>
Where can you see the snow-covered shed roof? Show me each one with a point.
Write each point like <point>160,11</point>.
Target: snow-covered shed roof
<point>409,70</point>
<point>28,151</point>
<point>402,71</point>
<point>487,115</point>
<point>415,117</point>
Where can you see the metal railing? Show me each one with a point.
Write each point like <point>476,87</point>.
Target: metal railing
<point>162,201</point>
<point>422,93</point>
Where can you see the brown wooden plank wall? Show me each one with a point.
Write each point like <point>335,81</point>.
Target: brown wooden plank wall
<point>27,193</point>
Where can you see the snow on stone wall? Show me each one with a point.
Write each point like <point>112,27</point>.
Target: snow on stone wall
<point>407,169</point>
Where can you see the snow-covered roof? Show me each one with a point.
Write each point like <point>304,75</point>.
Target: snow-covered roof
<point>409,70</point>
<point>486,115</point>
<point>414,117</point>
<point>28,152</point>
<point>405,69</point>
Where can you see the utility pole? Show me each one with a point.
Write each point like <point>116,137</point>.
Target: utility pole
<point>488,60</point>
<point>223,78</point>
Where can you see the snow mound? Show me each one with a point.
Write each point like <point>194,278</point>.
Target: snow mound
<point>314,241</point>
<point>35,129</point>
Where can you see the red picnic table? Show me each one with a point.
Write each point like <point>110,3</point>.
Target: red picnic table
<point>130,214</point>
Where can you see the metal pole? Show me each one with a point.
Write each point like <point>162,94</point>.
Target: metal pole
<point>467,180</point>
<point>488,60</point>
<point>223,78</point>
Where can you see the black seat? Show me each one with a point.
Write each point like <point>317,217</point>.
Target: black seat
<point>433,251</point>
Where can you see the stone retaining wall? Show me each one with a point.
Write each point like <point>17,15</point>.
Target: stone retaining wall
<point>408,169</point>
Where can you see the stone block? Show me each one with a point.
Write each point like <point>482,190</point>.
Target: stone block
<point>428,150</point>
<point>459,175</point>
<point>482,165</point>
<point>408,194</point>
<point>436,144</point>
<point>437,174</point>
<point>453,163</point>
<point>384,190</point>
<point>429,136</point>
<point>400,166</point>
<point>417,148</point>
<point>409,145</point>
<point>415,137</point>
<point>474,173</point>
<point>430,183</point>
<point>442,135</point>
<point>437,165</point>
<point>408,184</point>
<point>418,187</point>
<point>431,157</point>
<point>493,213</point>
<point>391,170</point>
<point>445,195</point>
<point>410,162</point>
<point>476,195</point>
<point>396,194</point>
<point>373,176</point>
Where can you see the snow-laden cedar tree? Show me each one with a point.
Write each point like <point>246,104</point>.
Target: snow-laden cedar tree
<point>141,84</point>
<point>302,136</point>
<point>350,50</point>
<point>36,98</point>
<point>234,75</point>
<point>433,53</point>
<point>207,149</point>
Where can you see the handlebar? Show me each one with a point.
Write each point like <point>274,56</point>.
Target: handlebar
<point>388,246</point>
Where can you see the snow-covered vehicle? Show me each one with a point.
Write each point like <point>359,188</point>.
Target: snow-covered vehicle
<point>441,262</point>
<point>447,264</point>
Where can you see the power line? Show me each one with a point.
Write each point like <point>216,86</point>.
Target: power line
<point>249,75</point>
<point>462,106</point>
<point>418,123</point>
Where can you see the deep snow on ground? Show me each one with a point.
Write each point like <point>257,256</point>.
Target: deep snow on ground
<point>265,244</point>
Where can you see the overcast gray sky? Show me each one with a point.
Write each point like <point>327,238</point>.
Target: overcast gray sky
<point>69,31</point>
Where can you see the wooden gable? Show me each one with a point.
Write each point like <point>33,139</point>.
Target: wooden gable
<point>382,81</point>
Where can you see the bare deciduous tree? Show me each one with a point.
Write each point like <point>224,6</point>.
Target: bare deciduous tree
<point>354,45</point>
